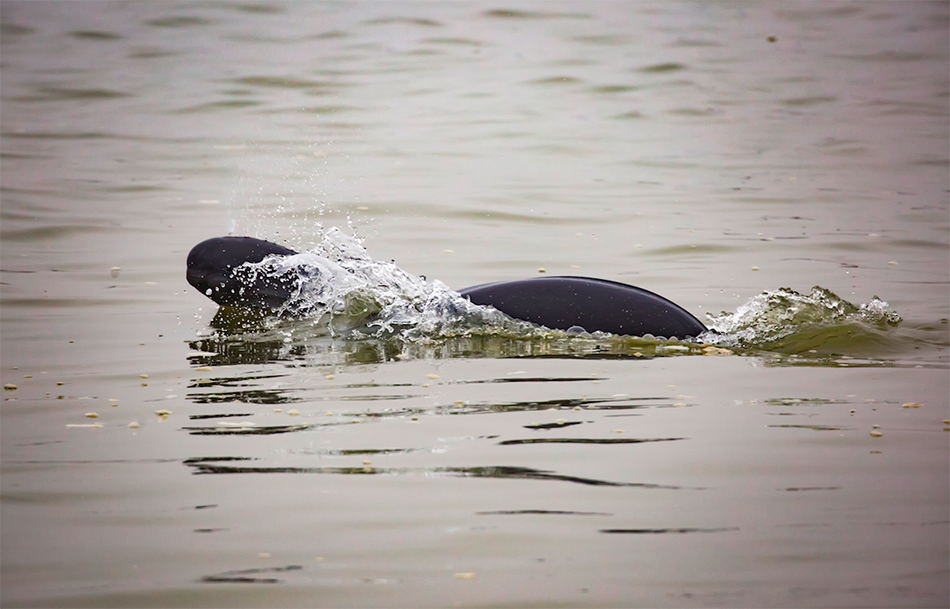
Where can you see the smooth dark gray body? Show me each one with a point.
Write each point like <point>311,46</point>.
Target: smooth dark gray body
<point>591,304</point>
<point>560,303</point>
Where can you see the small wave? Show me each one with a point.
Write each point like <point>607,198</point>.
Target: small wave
<point>786,321</point>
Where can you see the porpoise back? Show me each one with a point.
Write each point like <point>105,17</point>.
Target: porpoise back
<point>591,304</point>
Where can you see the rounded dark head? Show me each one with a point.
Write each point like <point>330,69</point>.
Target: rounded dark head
<point>211,270</point>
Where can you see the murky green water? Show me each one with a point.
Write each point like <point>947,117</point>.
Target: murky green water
<point>730,157</point>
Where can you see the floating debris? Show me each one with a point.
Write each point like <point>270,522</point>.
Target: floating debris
<point>9,387</point>
<point>432,376</point>
<point>83,425</point>
<point>876,434</point>
<point>92,415</point>
<point>163,413</point>
<point>134,425</point>
<point>293,412</point>
<point>910,405</point>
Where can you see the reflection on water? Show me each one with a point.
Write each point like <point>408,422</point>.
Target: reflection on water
<point>249,576</point>
<point>535,512</point>
<point>585,441</point>
<point>254,395</point>
<point>250,430</point>
<point>808,333</point>
<point>813,427</point>
<point>662,531</point>
<point>206,465</point>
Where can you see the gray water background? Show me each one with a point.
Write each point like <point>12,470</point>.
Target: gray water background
<point>705,151</point>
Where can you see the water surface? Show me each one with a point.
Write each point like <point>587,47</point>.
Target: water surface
<point>726,156</point>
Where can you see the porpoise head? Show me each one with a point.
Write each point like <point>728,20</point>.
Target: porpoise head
<point>212,265</point>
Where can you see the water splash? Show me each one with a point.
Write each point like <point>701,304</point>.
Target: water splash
<point>344,289</point>
<point>379,311</point>
<point>786,321</point>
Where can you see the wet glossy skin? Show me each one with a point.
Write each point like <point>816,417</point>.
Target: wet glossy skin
<point>592,304</point>
<point>211,267</point>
